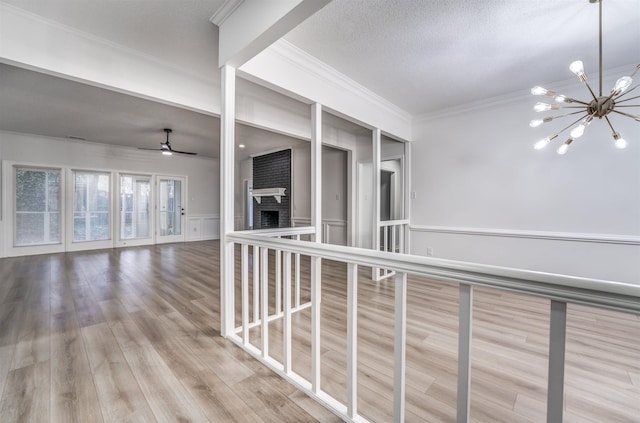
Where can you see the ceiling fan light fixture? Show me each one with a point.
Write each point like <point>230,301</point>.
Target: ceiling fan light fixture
<point>600,106</point>
<point>165,147</point>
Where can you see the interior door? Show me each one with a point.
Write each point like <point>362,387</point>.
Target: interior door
<point>170,219</point>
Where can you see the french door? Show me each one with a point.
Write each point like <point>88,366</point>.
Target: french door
<point>135,222</point>
<point>170,216</point>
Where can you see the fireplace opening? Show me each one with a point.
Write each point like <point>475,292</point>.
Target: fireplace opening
<point>269,219</point>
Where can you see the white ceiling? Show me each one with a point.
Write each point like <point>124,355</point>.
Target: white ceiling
<point>422,55</point>
<point>425,55</point>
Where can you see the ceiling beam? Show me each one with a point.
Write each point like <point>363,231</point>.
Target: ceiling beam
<point>249,26</point>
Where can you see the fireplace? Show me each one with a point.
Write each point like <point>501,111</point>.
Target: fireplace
<point>269,219</point>
<point>272,184</point>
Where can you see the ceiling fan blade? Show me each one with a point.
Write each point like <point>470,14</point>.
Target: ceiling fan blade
<point>150,149</point>
<point>183,152</point>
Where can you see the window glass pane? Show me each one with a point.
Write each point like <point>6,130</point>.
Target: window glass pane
<point>30,190</point>
<point>37,206</point>
<point>30,228</point>
<point>170,207</point>
<point>91,206</point>
<point>135,205</point>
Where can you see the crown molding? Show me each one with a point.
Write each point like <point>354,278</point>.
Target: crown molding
<point>225,11</point>
<point>320,70</point>
<point>514,97</point>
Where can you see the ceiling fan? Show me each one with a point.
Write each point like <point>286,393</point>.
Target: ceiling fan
<point>165,147</point>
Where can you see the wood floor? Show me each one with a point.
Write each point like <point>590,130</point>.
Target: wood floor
<point>132,335</point>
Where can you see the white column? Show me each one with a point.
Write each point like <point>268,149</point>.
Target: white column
<point>316,222</point>
<point>227,141</point>
<point>376,197</point>
<point>316,170</point>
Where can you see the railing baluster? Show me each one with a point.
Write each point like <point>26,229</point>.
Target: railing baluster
<point>244,250</point>
<point>287,312</point>
<point>256,283</point>
<point>393,238</point>
<point>400,345</point>
<point>557,341</point>
<point>297,293</point>
<point>278,282</point>
<point>316,275</point>
<point>264,279</point>
<point>465,316</point>
<point>352,340</point>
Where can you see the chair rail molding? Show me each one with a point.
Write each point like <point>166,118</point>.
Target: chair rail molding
<point>542,235</point>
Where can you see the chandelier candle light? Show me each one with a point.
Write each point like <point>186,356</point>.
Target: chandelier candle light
<point>598,106</point>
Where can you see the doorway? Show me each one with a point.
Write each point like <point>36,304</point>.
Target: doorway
<point>170,209</point>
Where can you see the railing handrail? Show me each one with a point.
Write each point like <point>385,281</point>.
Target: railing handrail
<point>602,293</point>
<point>278,232</point>
<point>394,222</point>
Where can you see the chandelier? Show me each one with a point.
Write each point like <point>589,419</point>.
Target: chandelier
<point>600,106</point>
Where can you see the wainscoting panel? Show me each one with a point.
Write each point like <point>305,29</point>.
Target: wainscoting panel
<point>203,227</point>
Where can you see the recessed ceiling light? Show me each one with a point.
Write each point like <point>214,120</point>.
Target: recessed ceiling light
<point>241,146</point>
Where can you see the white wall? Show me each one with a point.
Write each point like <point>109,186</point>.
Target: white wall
<point>202,174</point>
<point>483,194</point>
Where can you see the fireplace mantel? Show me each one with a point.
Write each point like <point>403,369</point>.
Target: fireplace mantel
<point>276,193</point>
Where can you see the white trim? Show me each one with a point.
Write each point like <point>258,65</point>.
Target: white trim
<point>543,235</point>
<point>226,10</point>
<point>312,66</point>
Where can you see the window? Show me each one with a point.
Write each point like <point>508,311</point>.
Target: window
<point>37,206</point>
<point>91,206</point>
<point>135,207</point>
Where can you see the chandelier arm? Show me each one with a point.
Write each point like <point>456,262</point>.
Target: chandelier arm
<point>568,114</point>
<point>610,125</point>
<point>628,105</point>
<point>571,124</point>
<point>573,100</point>
<point>626,92</point>
<point>625,114</point>
<point>627,99</point>
<point>591,91</point>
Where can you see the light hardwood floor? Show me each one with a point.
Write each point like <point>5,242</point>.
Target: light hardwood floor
<point>132,335</point>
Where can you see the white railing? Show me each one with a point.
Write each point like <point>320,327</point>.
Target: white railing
<point>392,239</point>
<point>561,290</point>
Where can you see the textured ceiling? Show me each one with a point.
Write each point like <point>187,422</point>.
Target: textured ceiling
<point>425,55</point>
